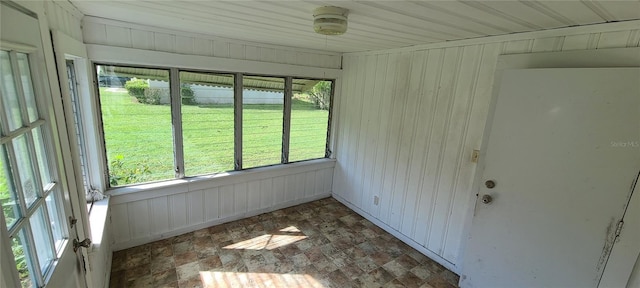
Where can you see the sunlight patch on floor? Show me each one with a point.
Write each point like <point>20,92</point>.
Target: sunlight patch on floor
<point>247,279</point>
<point>290,235</point>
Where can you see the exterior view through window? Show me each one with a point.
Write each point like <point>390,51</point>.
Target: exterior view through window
<point>309,119</point>
<point>152,133</point>
<point>207,122</point>
<point>262,116</point>
<point>136,118</point>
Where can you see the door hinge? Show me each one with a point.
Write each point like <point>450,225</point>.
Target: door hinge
<point>619,228</point>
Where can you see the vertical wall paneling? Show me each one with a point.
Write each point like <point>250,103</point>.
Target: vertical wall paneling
<point>167,212</point>
<point>141,39</point>
<point>226,201</point>
<point>178,211</point>
<point>211,203</point>
<point>409,121</point>
<point>240,194</point>
<point>140,225</point>
<point>195,212</point>
<point>120,223</point>
<point>266,195</point>
<point>159,218</point>
<point>253,195</point>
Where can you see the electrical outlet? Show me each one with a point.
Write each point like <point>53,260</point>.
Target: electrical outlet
<point>376,200</point>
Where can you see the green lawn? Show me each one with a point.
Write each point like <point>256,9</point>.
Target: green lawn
<point>139,141</point>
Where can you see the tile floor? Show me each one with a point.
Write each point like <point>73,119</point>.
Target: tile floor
<point>317,244</point>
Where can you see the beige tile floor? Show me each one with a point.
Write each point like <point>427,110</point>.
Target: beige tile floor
<point>317,244</point>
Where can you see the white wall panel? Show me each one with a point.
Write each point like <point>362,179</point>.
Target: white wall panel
<point>121,34</point>
<point>142,217</point>
<point>409,121</point>
<point>64,17</point>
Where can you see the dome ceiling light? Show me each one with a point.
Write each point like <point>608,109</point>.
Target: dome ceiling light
<point>330,20</point>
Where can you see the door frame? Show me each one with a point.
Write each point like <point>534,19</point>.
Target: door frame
<point>59,136</point>
<point>601,58</point>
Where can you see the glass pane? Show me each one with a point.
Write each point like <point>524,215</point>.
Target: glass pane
<point>9,93</point>
<point>8,196</point>
<point>19,249</point>
<point>309,120</point>
<point>27,86</point>
<point>262,105</point>
<point>56,219</point>
<point>25,169</point>
<point>207,122</point>
<point>41,238</point>
<point>41,154</point>
<point>136,117</point>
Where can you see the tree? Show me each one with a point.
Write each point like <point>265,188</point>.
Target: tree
<point>321,94</point>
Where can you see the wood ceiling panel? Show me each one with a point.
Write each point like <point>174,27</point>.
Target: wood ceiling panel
<point>372,24</point>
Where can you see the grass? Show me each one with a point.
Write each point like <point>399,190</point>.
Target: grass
<point>139,139</point>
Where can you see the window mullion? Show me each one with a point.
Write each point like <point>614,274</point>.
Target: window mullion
<point>176,120</point>
<point>286,121</point>
<point>237,117</point>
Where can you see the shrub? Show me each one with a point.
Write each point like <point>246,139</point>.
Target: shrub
<point>320,94</point>
<point>151,96</point>
<point>187,95</point>
<point>120,175</point>
<point>136,88</point>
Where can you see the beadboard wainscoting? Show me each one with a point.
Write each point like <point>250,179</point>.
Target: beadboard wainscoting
<point>176,207</point>
<point>411,119</point>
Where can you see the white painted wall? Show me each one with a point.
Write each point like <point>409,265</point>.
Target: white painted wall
<point>410,120</point>
<point>634,280</point>
<point>121,34</point>
<point>142,214</point>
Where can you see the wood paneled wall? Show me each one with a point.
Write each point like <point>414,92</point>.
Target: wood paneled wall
<point>409,122</point>
<point>120,34</point>
<point>62,16</point>
<point>144,216</point>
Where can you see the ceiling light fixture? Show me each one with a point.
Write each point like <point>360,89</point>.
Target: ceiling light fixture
<point>330,20</point>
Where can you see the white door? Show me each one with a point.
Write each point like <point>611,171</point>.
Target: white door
<point>563,152</point>
<point>37,242</point>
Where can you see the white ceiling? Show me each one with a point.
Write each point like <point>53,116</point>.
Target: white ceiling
<point>373,24</point>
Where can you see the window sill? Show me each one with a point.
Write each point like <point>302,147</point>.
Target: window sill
<point>98,220</point>
<point>169,187</point>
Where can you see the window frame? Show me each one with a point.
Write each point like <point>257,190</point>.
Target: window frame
<point>176,118</point>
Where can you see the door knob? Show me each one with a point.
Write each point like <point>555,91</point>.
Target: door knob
<point>486,199</point>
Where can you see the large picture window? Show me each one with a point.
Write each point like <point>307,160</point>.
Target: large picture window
<point>162,124</point>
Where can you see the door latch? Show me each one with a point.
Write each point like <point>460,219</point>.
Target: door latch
<point>84,243</point>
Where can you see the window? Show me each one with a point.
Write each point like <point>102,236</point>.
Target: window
<point>207,122</point>
<point>309,120</point>
<point>30,198</point>
<point>136,121</point>
<point>162,124</point>
<point>262,116</point>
